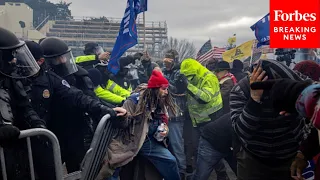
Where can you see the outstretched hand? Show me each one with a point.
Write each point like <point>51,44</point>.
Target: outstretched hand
<point>120,111</point>
<point>283,92</point>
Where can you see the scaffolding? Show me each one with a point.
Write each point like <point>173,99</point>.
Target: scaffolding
<point>104,31</point>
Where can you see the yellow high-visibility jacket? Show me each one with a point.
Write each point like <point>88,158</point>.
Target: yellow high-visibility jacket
<point>204,97</point>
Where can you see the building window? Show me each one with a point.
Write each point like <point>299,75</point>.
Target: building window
<point>11,4</point>
<point>18,4</point>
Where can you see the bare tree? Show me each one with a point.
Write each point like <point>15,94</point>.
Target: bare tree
<point>185,48</point>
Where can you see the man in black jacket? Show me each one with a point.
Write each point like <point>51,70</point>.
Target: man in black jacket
<point>177,89</point>
<point>237,69</point>
<point>146,68</point>
<point>61,106</point>
<point>214,145</point>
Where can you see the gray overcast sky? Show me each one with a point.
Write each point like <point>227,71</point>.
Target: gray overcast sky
<point>196,20</point>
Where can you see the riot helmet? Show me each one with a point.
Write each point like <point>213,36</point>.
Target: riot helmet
<point>58,56</point>
<point>16,61</point>
<point>93,49</point>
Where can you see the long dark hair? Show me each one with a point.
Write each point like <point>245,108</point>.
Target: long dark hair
<point>150,98</point>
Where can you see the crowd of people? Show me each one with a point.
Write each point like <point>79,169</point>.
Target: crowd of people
<point>175,120</point>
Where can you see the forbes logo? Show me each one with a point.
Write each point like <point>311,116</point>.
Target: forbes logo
<point>279,15</point>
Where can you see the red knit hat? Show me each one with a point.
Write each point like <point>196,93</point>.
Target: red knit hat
<point>157,80</point>
<point>309,68</point>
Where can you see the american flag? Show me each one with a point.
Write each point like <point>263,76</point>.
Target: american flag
<point>206,47</point>
<point>214,53</point>
<point>217,52</point>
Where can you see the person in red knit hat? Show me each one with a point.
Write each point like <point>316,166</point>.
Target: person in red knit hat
<point>308,68</point>
<point>147,112</point>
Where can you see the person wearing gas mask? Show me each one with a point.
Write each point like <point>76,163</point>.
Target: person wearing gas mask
<point>125,78</point>
<point>177,89</point>
<point>16,64</point>
<point>146,67</point>
<point>66,121</point>
<point>94,54</point>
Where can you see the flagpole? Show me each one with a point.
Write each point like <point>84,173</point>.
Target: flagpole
<point>144,31</point>
<point>252,52</point>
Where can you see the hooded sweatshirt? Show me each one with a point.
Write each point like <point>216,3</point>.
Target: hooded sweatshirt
<point>204,97</point>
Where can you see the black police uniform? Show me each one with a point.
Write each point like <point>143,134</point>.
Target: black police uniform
<point>15,105</point>
<point>61,106</point>
<point>69,105</point>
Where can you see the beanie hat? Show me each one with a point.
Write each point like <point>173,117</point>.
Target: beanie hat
<point>222,65</point>
<point>95,76</point>
<point>35,49</point>
<point>172,54</point>
<point>237,64</point>
<point>308,68</point>
<point>157,80</point>
<point>277,70</point>
<point>211,65</point>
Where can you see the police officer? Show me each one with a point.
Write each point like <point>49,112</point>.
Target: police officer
<point>60,60</point>
<point>63,106</point>
<point>16,63</point>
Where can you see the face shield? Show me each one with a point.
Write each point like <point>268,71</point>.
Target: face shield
<point>18,63</point>
<point>63,65</point>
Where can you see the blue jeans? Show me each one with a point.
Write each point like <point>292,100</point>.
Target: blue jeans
<point>176,143</point>
<point>161,158</point>
<point>208,158</point>
<point>115,175</point>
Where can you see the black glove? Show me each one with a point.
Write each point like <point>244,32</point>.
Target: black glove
<point>116,121</point>
<point>283,92</point>
<point>8,134</point>
<point>181,83</point>
<point>137,55</point>
<point>106,110</point>
<point>36,122</point>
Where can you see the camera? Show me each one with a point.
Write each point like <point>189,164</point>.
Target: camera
<point>285,55</point>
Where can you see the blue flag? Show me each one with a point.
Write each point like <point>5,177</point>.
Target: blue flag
<point>140,6</point>
<point>126,39</point>
<point>262,30</point>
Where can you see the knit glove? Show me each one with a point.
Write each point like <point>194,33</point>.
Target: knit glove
<point>283,92</point>
<point>8,134</point>
<point>298,165</point>
<point>181,83</point>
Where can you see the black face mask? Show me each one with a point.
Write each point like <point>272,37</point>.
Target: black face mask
<point>60,69</point>
<point>6,67</point>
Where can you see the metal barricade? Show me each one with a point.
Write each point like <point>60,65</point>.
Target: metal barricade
<point>55,148</point>
<point>94,157</point>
